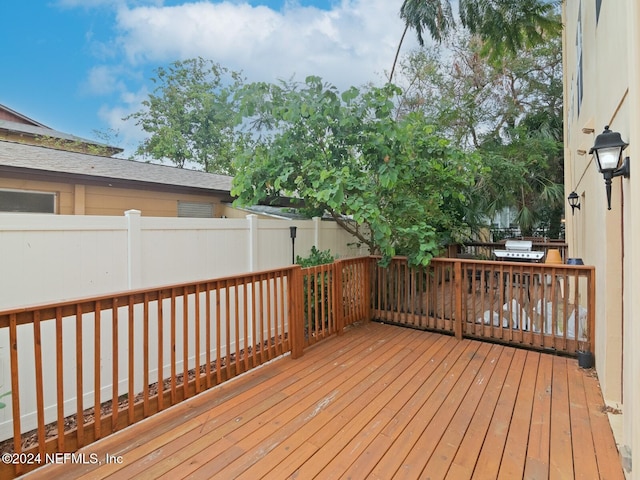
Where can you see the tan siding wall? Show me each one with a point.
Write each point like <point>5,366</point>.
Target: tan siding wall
<point>115,201</point>
<point>96,200</point>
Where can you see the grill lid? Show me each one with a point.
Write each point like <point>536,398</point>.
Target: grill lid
<point>518,245</point>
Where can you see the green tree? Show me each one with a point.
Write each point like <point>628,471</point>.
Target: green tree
<point>394,184</point>
<point>505,27</point>
<point>192,116</point>
<point>507,110</point>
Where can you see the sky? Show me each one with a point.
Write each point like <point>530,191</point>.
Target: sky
<point>81,66</point>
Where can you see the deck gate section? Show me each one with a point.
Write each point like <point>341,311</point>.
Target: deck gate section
<point>334,296</point>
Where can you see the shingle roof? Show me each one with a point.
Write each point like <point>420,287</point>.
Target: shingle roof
<point>43,131</point>
<point>47,160</point>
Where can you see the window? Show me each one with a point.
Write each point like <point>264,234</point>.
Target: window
<point>27,202</point>
<point>195,210</point>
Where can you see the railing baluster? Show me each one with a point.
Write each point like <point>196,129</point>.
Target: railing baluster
<point>218,336</point>
<point>173,347</point>
<point>260,319</point>
<point>37,337</point>
<point>97,338</point>
<point>281,309</point>
<point>59,380</point>
<point>145,356</point>
<point>208,320</point>
<point>323,299</point>
<point>254,321</point>
<point>236,322</point>
<point>185,342</point>
<point>115,386</point>
<point>197,340</point>
<point>245,311</point>
<point>130,364</point>
<point>15,390</point>
<point>79,385</point>
<point>269,318</point>
<point>227,314</point>
<point>160,351</point>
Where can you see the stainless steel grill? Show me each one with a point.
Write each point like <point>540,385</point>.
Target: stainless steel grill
<point>519,250</point>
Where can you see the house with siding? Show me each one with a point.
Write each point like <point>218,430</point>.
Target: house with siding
<point>46,171</point>
<point>601,47</point>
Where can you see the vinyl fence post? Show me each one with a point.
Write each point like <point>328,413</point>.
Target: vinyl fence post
<point>252,219</point>
<point>316,232</point>
<point>134,249</point>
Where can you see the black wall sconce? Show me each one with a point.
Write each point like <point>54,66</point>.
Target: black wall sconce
<point>608,149</point>
<point>292,231</point>
<point>574,202</point>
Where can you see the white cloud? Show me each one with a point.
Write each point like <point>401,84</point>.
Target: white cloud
<point>103,80</point>
<point>351,44</point>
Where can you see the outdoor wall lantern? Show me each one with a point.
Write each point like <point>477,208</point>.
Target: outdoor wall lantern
<point>608,149</point>
<point>292,231</point>
<point>574,202</point>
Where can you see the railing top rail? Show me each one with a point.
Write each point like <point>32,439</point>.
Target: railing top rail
<point>504,263</point>
<point>516,264</point>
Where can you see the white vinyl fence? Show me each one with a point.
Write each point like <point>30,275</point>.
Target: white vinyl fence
<point>46,258</point>
<point>50,258</point>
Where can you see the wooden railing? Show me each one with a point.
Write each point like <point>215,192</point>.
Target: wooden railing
<point>547,307</point>
<point>120,358</point>
<point>334,296</point>
<point>414,297</point>
<point>117,359</point>
<point>81,370</point>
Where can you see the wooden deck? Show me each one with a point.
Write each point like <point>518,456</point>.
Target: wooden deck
<point>377,402</point>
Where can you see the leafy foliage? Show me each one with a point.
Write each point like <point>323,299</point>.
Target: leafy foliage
<point>393,183</point>
<point>504,26</point>
<point>315,257</point>
<point>508,111</point>
<point>192,116</point>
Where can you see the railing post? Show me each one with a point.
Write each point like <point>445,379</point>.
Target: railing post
<point>296,314</point>
<point>338,296</point>
<point>367,289</point>
<point>591,311</point>
<point>457,278</point>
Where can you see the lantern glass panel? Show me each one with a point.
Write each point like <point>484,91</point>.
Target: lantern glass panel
<point>608,158</point>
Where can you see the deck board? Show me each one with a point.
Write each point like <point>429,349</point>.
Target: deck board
<point>383,402</point>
